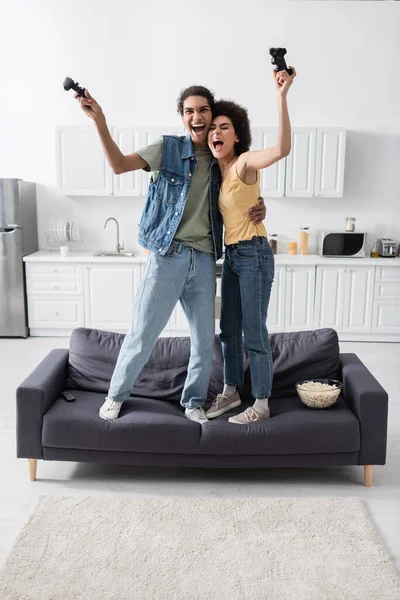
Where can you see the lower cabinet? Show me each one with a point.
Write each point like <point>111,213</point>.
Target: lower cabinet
<point>361,302</point>
<point>344,298</point>
<point>109,290</point>
<point>291,305</point>
<point>61,313</point>
<point>386,306</point>
<point>55,298</point>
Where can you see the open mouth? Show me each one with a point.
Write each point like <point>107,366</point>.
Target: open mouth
<point>217,144</point>
<point>198,129</point>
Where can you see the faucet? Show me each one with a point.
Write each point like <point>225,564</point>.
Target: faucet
<point>119,246</point>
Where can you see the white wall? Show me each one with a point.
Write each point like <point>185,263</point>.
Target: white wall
<point>135,57</point>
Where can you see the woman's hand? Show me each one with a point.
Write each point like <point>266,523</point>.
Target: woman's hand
<point>89,106</point>
<point>283,81</point>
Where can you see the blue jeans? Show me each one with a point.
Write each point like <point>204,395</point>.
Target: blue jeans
<point>247,276</point>
<point>182,274</point>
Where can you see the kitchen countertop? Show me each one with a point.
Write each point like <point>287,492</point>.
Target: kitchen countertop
<point>141,257</point>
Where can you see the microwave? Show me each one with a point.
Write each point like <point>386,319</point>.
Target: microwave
<point>344,244</point>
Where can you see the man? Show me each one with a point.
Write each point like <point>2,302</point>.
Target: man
<point>182,227</point>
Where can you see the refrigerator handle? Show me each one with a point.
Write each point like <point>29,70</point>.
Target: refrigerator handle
<point>10,228</point>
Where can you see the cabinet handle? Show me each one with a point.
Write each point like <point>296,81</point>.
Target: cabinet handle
<point>55,270</point>
<point>57,313</point>
<point>56,287</point>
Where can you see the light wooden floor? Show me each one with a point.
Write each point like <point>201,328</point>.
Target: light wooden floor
<point>18,494</point>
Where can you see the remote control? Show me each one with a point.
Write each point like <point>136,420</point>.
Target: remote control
<point>278,59</point>
<point>68,396</point>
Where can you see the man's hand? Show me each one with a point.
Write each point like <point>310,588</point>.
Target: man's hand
<point>256,214</point>
<point>89,106</point>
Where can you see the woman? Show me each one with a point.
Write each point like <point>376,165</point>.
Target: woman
<point>248,268</point>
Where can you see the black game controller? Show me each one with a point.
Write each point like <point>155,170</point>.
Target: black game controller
<point>278,59</point>
<point>71,84</point>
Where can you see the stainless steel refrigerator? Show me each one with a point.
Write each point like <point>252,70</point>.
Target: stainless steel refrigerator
<point>18,237</point>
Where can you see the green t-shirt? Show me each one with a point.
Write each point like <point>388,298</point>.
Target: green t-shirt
<point>194,228</point>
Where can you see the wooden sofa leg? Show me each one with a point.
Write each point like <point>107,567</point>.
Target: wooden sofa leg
<point>32,468</point>
<point>368,475</point>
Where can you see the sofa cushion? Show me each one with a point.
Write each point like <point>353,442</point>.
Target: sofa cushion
<point>302,355</point>
<point>298,355</point>
<point>93,355</point>
<point>154,426</point>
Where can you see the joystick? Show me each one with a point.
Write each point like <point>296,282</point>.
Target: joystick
<point>278,59</point>
<point>74,85</point>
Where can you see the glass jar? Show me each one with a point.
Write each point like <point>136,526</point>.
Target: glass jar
<point>292,248</point>
<point>350,224</point>
<point>374,251</point>
<point>304,239</point>
<point>273,242</point>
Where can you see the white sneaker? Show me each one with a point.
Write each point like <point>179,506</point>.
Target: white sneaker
<point>110,409</point>
<point>222,404</point>
<point>250,415</point>
<point>196,414</point>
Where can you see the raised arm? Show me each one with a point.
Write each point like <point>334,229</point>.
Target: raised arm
<point>254,160</point>
<point>119,162</point>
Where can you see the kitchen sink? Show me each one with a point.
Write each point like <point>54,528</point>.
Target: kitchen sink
<point>112,254</point>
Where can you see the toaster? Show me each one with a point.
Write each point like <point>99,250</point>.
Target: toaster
<point>386,247</point>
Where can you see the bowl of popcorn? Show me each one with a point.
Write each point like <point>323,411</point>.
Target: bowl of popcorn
<point>319,393</point>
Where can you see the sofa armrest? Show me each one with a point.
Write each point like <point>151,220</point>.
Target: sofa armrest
<point>369,401</point>
<point>34,397</point>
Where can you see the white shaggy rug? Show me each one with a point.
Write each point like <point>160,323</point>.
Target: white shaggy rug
<point>201,549</point>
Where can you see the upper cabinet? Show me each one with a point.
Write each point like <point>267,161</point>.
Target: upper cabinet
<point>273,178</point>
<point>329,162</point>
<point>314,167</point>
<point>300,164</point>
<point>128,140</point>
<point>82,169</point>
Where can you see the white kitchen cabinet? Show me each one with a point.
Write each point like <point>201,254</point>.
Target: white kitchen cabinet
<point>329,294</point>
<point>276,306</point>
<point>150,135</point>
<point>386,305</point>
<point>329,162</point>
<point>314,167</point>
<point>128,140</point>
<point>109,289</point>
<point>300,164</point>
<point>299,297</point>
<point>344,297</point>
<point>82,169</point>
<point>59,314</point>
<point>273,178</point>
<point>55,298</point>
<point>291,306</point>
<point>358,297</point>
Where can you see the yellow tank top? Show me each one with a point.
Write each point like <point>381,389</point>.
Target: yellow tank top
<point>235,199</point>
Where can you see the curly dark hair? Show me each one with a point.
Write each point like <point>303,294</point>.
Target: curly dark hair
<point>195,90</point>
<point>240,120</point>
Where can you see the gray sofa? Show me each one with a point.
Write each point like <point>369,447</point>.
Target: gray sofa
<point>153,431</point>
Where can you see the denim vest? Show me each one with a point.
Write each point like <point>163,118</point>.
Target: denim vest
<point>168,194</point>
